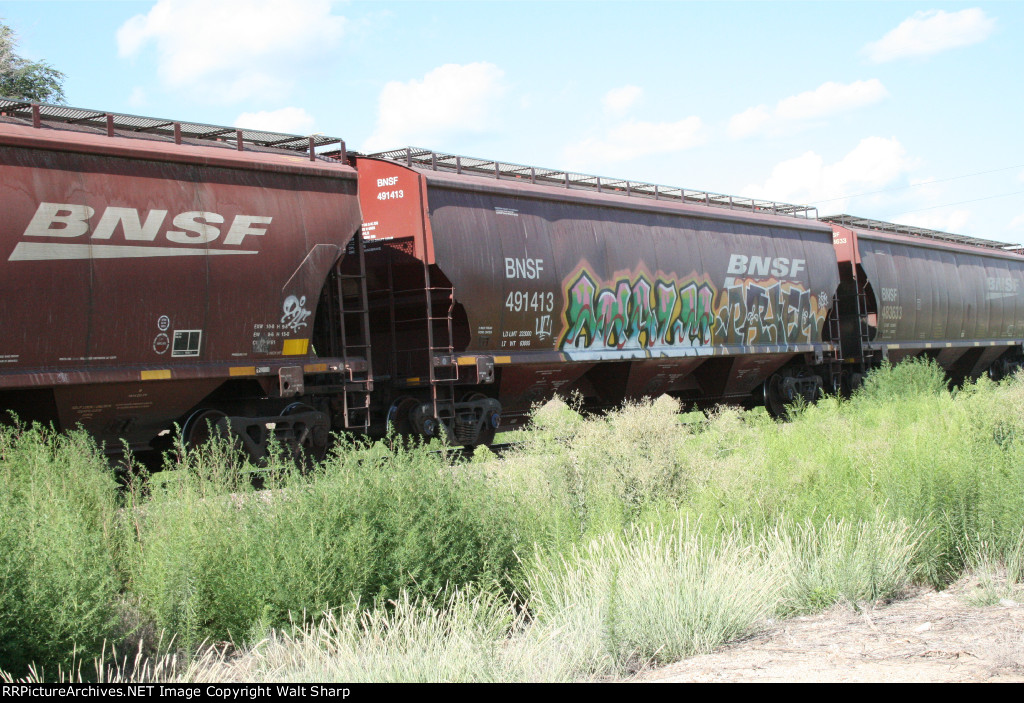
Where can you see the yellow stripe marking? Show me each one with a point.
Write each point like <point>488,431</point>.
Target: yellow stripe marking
<point>295,347</point>
<point>414,379</point>
<point>243,371</point>
<point>315,368</point>
<point>160,375</point>
<point>466,360</point>
<point>503,360</point>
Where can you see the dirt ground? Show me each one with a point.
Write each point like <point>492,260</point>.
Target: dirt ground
<point>926,637</point>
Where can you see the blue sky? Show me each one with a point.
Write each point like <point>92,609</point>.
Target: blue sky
<point>799,102</point>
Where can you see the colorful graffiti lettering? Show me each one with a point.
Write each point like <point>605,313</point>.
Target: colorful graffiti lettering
<point>767,312</point>
<point>632,314</point>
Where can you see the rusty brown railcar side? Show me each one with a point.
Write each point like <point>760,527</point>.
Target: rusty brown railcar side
<point>566,290</point>
<point>911,295</point>
<point>139,276</point>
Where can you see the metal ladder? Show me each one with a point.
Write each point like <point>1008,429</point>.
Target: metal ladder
<point>862,316</point>
<point>358,384</point>
<point>440,352</point>
<point>835,357</point>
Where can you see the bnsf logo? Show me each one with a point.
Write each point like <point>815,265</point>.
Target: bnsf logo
<point>69,221</point>
<point>780,267</point>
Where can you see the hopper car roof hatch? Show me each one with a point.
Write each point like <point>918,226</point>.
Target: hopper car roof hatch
<point>893,228</point>
<point>437,161</point>
<point>62,116</point>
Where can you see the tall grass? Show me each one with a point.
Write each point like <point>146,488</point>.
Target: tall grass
<point>59,537</point>
<point>654,596</point>
<point>615,605</point>
<point>216,560</point>
<point>599,545</point>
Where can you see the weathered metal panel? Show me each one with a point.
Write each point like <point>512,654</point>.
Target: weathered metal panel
<point>550,276</point>
<point>115,263</point>
<point>935,293</point>
<point>597,281</point>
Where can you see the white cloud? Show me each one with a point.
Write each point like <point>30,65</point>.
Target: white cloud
<point>290,120</point>
<point>954,221</point>
<point>229,51</point>
<point>827,99</point>
<point>451,98</point>
<point>931,31</point>
<point>618,100</point>
<point>632,139</point>
<point>138,97</point>
<point>831,98</point>
<point>1017,221</point>
<point>874,163</point>
<point>749,122</point>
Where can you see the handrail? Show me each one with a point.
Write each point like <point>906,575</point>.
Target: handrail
<point>437,161</point>
<point>118,124</point>
<point>894,228</point>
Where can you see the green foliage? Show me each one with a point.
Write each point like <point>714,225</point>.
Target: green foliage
<point>653,595</point>
<point>907,380</point>
<point>217,560</point>
<point>838,561</point>
<point>59,535</point>
<point>597,546</point>
<point>24,79</point>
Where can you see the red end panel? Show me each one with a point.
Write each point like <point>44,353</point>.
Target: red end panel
<point>845,243</point>
<point>393,201</point>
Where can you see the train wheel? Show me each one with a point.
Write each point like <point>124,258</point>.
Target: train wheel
<point>488,431</point>
<point>398,416</point>
<point>310,441</point>
<point>202,426</point>
<point>997,371</point>
<point>774,402</point>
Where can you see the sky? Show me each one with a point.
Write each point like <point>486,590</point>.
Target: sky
<point>903,112</point>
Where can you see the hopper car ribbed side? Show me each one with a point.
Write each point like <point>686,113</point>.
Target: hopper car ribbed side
<point>158,273</point>
<point>149,279</point>
<point>907,292</point>
<point>535,290</point>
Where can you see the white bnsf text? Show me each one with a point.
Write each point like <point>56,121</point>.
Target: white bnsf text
<point>67,221</point>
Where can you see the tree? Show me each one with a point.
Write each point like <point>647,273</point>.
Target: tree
<point>27,80</point>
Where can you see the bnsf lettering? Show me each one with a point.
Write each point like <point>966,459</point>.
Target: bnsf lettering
<point>1001,285</point>
<point>779,267</point>
<point>523,268</point>
<point>68,220</point>
<point>387,182</point>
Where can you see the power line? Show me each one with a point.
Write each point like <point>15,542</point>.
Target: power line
<point>964,202</point>
<point>915,185</point>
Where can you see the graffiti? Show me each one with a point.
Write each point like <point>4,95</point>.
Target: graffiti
<point>631,313</point>
<point>295,313</point>
<point>542,327</point>
<point>767,312</point>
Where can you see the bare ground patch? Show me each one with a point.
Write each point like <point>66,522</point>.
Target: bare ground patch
<point>928,636</point>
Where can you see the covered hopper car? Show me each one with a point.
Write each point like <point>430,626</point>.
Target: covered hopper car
<point>152,276</point>
<point>258,285</point>
<point>546,282</point>
<point>907,292</point>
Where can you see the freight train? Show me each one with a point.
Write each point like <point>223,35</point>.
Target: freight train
<point>159,274</point>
